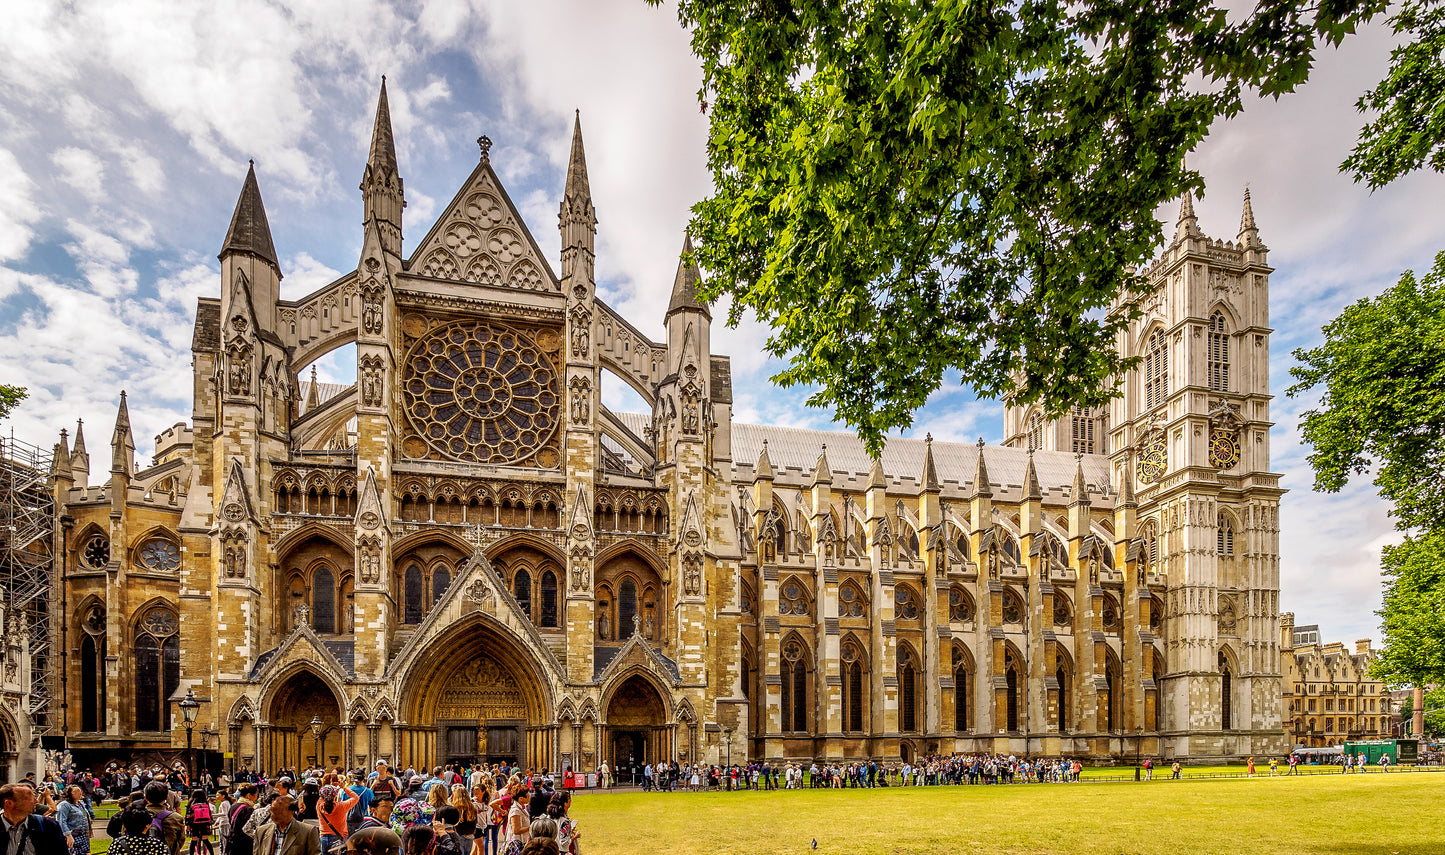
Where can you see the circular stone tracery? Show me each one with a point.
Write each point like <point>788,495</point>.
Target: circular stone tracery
<point>480,392</point>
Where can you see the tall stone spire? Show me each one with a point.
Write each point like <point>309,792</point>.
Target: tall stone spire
<point>1032,490</point>
<point>249,233</point>
<point>684,284</point>
<point>382,192</point>
<point>122,443</point>
<point>79,457</point>
<point>577,218</point>
<point>981,485</point>
<point>1248,231</point>
<point>930,470</point>
<point>1188,225</point>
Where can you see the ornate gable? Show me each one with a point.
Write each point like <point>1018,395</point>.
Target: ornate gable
<point>481,238</point>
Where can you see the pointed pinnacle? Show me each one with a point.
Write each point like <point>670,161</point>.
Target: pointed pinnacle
<point>79,447</point>
<point>684,284</point>
<point>764,467</point>
<point>876,478</point>
<point>822,472</point>
<point>1032,491</point>
<point>930,470</point>
<point>1081,489</point>
<point>981,483</point>
<point>1126,486</point>
<point>577,187</point>
<point>313,395</point>
<point>249,232</point>
<point>1248,231</point>
<point>382,156</point>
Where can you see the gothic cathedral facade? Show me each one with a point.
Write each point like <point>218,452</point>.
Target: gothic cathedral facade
<point>466,556</point>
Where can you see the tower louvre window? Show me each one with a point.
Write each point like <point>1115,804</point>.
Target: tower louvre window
<point>1035,432</point>
<point>1218,354</point>
<point>1083,431</point>
<point>1156,370</point>
<point>1225,541</point>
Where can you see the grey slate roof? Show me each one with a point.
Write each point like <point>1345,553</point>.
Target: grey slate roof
<point>794,451</point>
<point>324,393</point>
<point>603,654</point>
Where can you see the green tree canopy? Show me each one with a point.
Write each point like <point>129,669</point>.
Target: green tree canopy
<point>904,188</point>
<point>1381,371</point>
<point>10,396</point>
<point>1409,131</point>
<point>1414,612</point>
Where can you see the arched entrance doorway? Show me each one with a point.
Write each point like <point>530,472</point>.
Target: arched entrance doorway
<point>637,729</point>
<point>475,695</point>
<point>290,742</point>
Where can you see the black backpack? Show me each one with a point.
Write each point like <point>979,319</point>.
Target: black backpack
<point>354,818</point>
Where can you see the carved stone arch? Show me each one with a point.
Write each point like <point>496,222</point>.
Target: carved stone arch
<point>317,481</point>
<point>384,711</point>
<point>1224,307</point>
<point>566,711</point>
<point>482,493</point>
<point>11,729</point>
<point>961,655</point>
<point>277,679</point>
<point>588,711</point>
<point>241,711</point>
<point>685,715</point>
<point>140,611</point>
<point>299,536</point>
<point>615,367</point>
<point>648,673</point>
<point>84,606</point>
<point>311,351</point>
<point>546,547</point>
<point>422,538</point>
<point>89,530</point>
<point>358,711</point>
<point>1154,325</point>
<point>636,548</point>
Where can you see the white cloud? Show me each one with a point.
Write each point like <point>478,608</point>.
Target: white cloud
<point>18,211</point>
<point>80,169</point>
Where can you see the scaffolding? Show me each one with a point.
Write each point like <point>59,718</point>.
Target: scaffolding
<point>27,565</point>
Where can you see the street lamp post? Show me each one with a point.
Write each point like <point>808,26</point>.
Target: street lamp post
<point>189,707</point>
<point>1138,741</point>
<point>316,736</point>
<point>728,744</point>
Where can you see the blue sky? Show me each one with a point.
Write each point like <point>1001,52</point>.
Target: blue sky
<point>127,127</point>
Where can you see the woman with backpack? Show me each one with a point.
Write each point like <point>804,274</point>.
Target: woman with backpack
<point>74,818</point>
<point>332,815</point>
<point>200,820</point>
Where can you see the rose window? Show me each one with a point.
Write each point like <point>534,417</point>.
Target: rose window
<point>481,393</point>
<point>160,556</point>
<point>794,599</point>
<point>905,605</point>
<point>850,602</point>
<point>960,608</point>
<point>159,622</point>
<point>97,551</point>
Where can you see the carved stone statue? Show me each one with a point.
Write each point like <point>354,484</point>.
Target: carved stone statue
<point>604,627</point>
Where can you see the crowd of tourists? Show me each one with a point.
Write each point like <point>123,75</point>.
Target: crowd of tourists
<point>496,810</point>
<point>926,772</point>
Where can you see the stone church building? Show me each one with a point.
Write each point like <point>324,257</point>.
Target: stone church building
<point>466,556</point>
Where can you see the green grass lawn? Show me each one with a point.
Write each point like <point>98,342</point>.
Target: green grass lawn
<point>1378,814</point>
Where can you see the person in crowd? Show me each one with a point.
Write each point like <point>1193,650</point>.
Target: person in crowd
<point>380,814</point>
<point>466,816</point>
<point>374,840</point>
<point>173,828</point>
<point>540,846</point>
<point>568,836</point>
<point>518,820</point>
<point>222,805</point>
<point>417,840</point>
<point>74,818</point>
<point>200,820</point>
<point>285,833</point>
<point>135,822</point>
<point>238,841</point>
<point>310,798</point>
<point>331,812</point>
